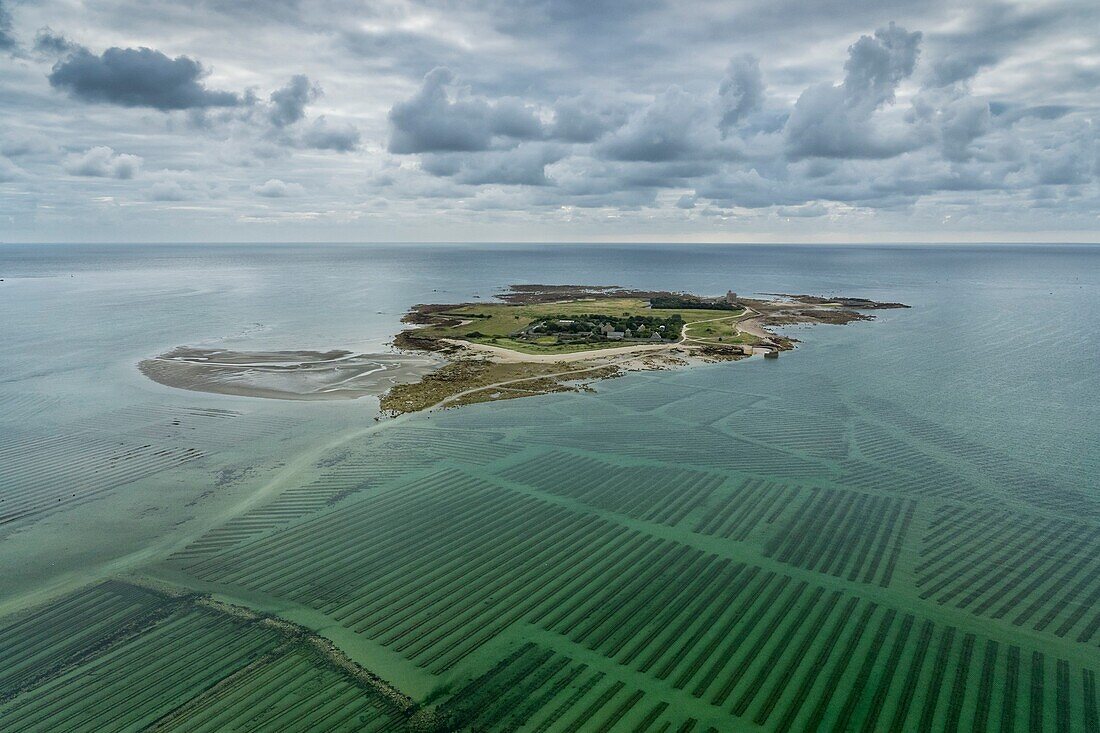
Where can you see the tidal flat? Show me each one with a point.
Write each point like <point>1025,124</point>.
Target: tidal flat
<point>822,542</point>
<point>285,375</point>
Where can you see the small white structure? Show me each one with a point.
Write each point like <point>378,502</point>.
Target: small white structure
<point>615,335</point>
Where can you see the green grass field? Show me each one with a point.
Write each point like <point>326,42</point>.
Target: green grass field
<point>496,321</point>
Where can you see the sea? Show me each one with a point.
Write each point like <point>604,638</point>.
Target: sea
<point>939,463</point>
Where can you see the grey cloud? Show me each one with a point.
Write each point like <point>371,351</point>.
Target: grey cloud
<point>675,126</point>
<point>1070,160</point>
<point>430,122</point>
<point>167,191</point>
<point>983,34</point>
<point>524,165</point>
<point>1011,113</point>
<point>49,43</point>
<point>137,77</point>
<point>741,91</point>
<point>325,135</point>
<point>103,162</point>
<point>288,103</point>
<point>413,53</point>
<point>836,121</point>
<point>7,40</point>
<point>959,66</point>
<point>584,119</point>
<point>550,106</point>
<point>961,122</point>
<point>877,65</point>
<point>9,171</point>
<point>19,144</point>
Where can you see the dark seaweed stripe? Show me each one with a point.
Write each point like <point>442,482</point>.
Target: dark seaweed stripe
<point>1088,685</point>
<point>883,542</point>
<point>839,666</point>
<point>727,652</point>
<point>1012,682</point>
<point>958,690</point>
<point>715,604</point>
<point>762,638</point>
<point>569,702</point>
<point>888,574</point>
<point>882,506</point>
<point>939,669</point>
<point>915,667</point>
<point>687,594</point>
<point>535,703</point>
<point>651,718</point>
<point>870,722</point>
<point>869,659</point>
<point>1054,611</point>
<point>815,669</point>
<point>985,687</point>
<point>1035,716</point>
<point>621,712</point>
<point>1062,695</point>
<point>596,705</point>
<point>782,682</point>
<point>777,653</point>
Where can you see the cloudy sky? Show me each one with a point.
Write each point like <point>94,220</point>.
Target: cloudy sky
<point>543,120</point>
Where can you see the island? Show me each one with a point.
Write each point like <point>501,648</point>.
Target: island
<point>530,340</point>
<point>538,339</point>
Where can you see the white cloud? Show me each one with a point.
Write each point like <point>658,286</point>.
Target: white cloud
<point>103,162</point>
<point>274,188</point>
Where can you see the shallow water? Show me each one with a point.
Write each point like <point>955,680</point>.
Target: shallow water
<point>934,468</point>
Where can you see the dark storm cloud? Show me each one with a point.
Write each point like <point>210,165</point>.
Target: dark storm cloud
<point>138,77</point>
<point>430,122</point>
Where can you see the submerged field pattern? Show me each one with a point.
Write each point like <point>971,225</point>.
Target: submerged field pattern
<point>550,565</point>
<point>894,526</point>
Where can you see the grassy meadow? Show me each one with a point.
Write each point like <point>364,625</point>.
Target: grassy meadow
<point>496,321</point>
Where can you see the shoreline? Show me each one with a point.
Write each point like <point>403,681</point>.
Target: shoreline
<point>450,356</point>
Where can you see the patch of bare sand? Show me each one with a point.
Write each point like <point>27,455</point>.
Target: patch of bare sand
<point>287,375</point>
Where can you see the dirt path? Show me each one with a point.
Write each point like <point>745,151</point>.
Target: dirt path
<point>502,355</point>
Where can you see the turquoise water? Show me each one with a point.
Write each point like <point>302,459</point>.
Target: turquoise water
<point>938,462</point>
